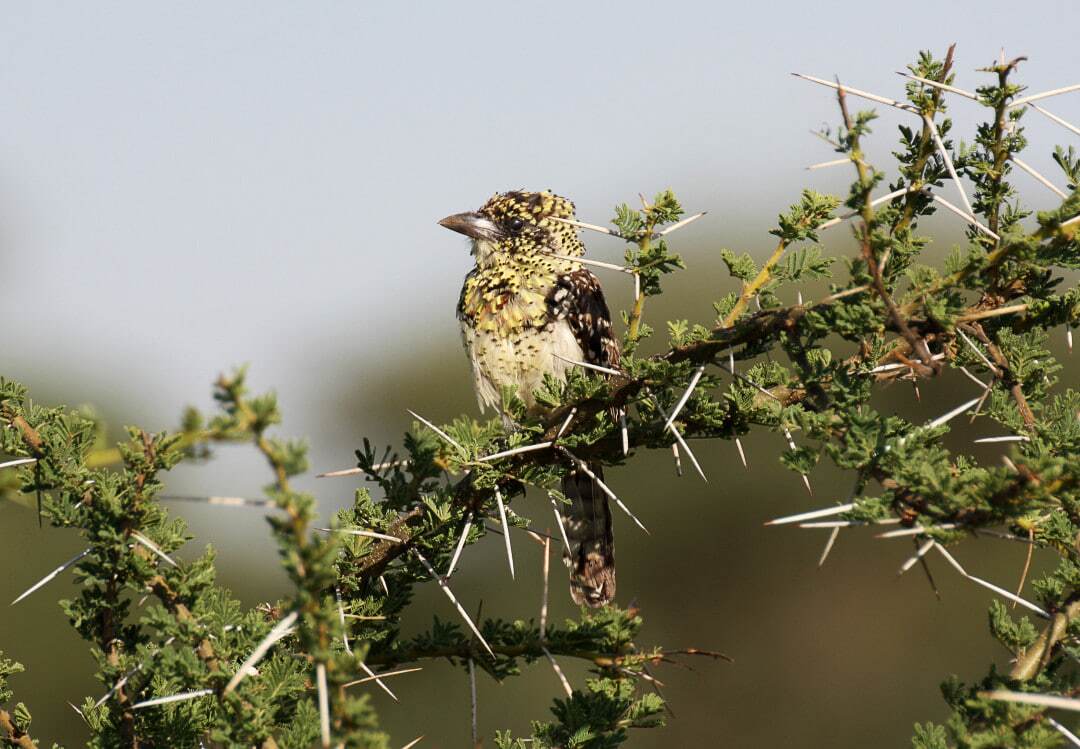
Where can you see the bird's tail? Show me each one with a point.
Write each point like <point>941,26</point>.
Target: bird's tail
<point>591,557</point>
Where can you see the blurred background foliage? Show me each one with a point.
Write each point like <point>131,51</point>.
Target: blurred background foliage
<point>186,189</point>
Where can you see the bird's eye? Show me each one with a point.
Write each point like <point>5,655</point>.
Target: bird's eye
<point>516,225</point>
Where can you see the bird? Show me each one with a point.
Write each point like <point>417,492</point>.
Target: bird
<point>527,307</point>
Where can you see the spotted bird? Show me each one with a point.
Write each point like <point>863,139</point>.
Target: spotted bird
<point>521,308</point>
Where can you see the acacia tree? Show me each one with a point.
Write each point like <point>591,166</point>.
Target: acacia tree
<point>182,663</point>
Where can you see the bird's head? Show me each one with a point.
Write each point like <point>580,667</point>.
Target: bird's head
<point>515,226</point>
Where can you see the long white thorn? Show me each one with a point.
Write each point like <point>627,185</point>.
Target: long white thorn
<point>544,597</point>
<point>1044,95</point>
<point>791,444</point>
<point>280,630</point>
<point>624,433</point>
<point>851,214</point>
<point>973,378</point>
<point>460,544</point>
<point>566,424</point>
<point>506,530</point>
<point>685,396</point>
<point>362,532</point>
<point>559,521</point>
<point>824,164</point>
<point>828,546</point>
<point>1006,438</point>
<point>377,678</point>
<point>1033,698</point>
<point>558,672</point>
<point>384,674</point>
<point>1058,120</point>
<point>153,547</point>
<point>680,224</point>
<point>517,451</point>
<point>915,530</point>
<point>450,595</point>
<point>413,743</point>
<point>948,162</point>
<point>594,367</point>
<point>1009,595</point>
<point>437,431</point>
<point>589,261</point>
<point>1072,737</point>
<point>354,471</point>
<point>591,227</point>
<point>172,698</point>
<point>828,511</point>
<point>945,418</point>
<point>228,501</point>
<point>857,92</point>
<point>680,441</point>
<point>1045,182</point>
<point>942,86</point>
<point>605,489</point>
<point>966,216</point>
<point>989,365</point>
<point>950,559</point>
<point>18,462</point>
<point>324,703</point>
<point>49,577</point>
<point>918,555</point>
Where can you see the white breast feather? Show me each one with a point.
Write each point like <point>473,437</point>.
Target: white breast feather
<point>518,360</point>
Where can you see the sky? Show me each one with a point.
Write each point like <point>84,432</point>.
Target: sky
<point>190,186</point>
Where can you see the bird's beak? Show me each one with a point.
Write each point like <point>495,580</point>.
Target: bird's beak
<point>471,225</point>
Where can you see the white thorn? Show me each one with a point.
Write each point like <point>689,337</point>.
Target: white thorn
<point>677,457</point>
<point>518,450</point>
<point>595,367</point>
<point>948,162</point>
<point>1007,438</point>
<point>1046,183</point>
<point>558,672</point>
<point>685,396</point>
<point>942,86</point>
<point>680,224</point>
<point>506,530</point>
<point>362,532</point>
<point>966,216</point>
<point>856,92</point>
<point>978,352</point>
<point>624,432</point>
<point>437,431</point>
<point>944,418</point>
<point>354,471</point>
<point>838,509</point>
<point>604,488</point>
<point>385,587</point>
<point>590,227</point>
<point>851,214</point>
<point>828,546</point>
<point>915,530</point>
<point>280,630</point>
<point>544,597</point>
<point>450,594</point>
<point>229,501</point>
<point>172,698</point>
<point>973,378</point>
<point>49,577</point>
<point>1033,698</point>
<point>588,261</point>
<point>918,555</point>
<point>153,547</point>
<point>824,164</point>
<point>891,367</point>
<point>324,703</point>
<point>559,520</point>
<point>1072,737</point>
<point>1058,120</point>
<point>384,674</point>
<point>1044,95</point>
<point>566,424</point>
<point>460,544</point>
<point>378,680</point>
<point>679,441</point>
<point>18,462</point>
<point>413,743</point>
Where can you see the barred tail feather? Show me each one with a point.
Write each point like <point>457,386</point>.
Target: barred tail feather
<point>591,557</point>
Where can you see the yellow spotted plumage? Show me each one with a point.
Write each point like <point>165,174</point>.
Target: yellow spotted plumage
<point>527,307</point>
